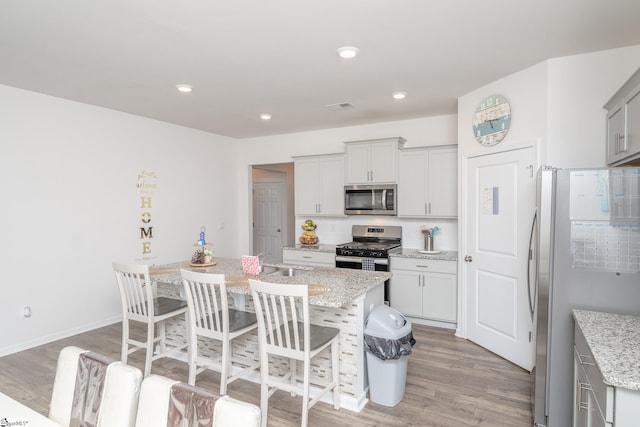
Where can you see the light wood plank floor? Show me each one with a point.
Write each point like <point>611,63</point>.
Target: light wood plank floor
<point>450,382</point>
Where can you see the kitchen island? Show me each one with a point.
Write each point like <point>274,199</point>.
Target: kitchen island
<point>339,298</point>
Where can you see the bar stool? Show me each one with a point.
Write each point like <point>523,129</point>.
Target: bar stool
<point>282,333</point>
<point>136,291</point>
<point>210,317</point>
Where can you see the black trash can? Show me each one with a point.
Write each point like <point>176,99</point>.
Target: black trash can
<point>388,340</point>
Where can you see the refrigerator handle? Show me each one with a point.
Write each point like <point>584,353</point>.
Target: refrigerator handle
<point>530,254</point>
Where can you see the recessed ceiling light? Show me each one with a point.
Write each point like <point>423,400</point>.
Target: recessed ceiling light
<point>348,52</point>
<point>399,95</point>
<point>184,88</point>
<point>265,116</point>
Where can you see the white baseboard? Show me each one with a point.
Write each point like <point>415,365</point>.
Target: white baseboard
<point>15,348</point>
<point>428,322</point>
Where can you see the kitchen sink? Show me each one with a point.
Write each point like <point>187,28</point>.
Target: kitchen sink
<point>280,271</point>
<point>286,272</point>
<point>268,269</point>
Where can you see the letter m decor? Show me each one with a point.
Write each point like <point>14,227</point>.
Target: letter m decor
<point>146,233</point>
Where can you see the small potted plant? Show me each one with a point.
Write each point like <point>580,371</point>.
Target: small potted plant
<point>203,254</point>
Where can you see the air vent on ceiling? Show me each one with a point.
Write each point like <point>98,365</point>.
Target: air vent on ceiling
<point>340,106</point>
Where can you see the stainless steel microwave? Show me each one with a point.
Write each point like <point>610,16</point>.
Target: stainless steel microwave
<point>370,199</point>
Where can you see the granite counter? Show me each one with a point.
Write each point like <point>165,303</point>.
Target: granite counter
<point>614,340</point>
<point>313,248</point>
<point>418,254</point>
<point>346,284</point>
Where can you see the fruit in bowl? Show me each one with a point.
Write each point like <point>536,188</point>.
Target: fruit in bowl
<point>309,225</point>
<point>308,238</point>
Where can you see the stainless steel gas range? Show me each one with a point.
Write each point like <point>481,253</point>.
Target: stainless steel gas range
<point>370,249</point>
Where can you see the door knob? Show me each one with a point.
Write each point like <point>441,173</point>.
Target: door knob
<point>278,230</point>
<point>468,258</point>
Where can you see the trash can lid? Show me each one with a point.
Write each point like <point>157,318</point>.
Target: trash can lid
<point>387,322</point>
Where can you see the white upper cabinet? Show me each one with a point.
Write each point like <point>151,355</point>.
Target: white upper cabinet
<point>428,182</point>
<point>373,161</point>
<point>623,124</point>
<point>319,185</point>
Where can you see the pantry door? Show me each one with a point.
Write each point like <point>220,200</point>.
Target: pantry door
<point>500,206</point>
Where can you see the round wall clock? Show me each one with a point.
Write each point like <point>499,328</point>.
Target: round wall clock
<point>491,120</point>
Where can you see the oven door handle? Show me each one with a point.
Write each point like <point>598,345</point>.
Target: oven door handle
<point>358,260</point>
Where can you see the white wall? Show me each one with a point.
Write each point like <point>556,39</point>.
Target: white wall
<point>578,87</point>
<point>526,92</point>
<point>70,206</point>
<point>440,130</point>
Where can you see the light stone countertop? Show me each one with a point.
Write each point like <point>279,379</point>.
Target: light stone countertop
<point>346,284</point>
<point>313,248</point>
<point>614,340</point>
<point>404,252</point>
<point>414,253</point>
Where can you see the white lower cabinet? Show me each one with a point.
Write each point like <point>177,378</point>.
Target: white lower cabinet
<point>585,411</point>
<point>307,257</point>
<point>426,289</point>
<point>597,404</point>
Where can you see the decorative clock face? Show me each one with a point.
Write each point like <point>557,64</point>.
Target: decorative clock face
<point>491,120</point>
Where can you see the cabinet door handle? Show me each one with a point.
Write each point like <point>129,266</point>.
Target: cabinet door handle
<point>582,362</point>
<point>422,266</point>
<point>580,388</point>
<point>429,208</point>
<point>620,143</point>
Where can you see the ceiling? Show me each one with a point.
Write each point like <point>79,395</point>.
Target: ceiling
<point>247,57</point>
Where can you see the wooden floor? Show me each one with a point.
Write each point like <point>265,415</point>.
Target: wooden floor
<point>450,382</point>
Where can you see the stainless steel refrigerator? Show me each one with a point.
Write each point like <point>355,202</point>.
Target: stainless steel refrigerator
<point>588,257</point>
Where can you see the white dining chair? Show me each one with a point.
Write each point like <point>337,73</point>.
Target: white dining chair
<point>90,389</point>
<point>165,402</point>
<point>211,318</point>
<point>282,332</point>
<point>140,303</point>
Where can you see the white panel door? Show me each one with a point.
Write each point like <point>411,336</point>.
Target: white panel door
<point>500,207</point>
<point>267,220</point>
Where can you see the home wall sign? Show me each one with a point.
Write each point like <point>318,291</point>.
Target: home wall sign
<point>147,183</point>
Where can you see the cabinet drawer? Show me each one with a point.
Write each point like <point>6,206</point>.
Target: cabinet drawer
<point>424,265</point>
<point>602,393</point>
<point>292,256</point>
